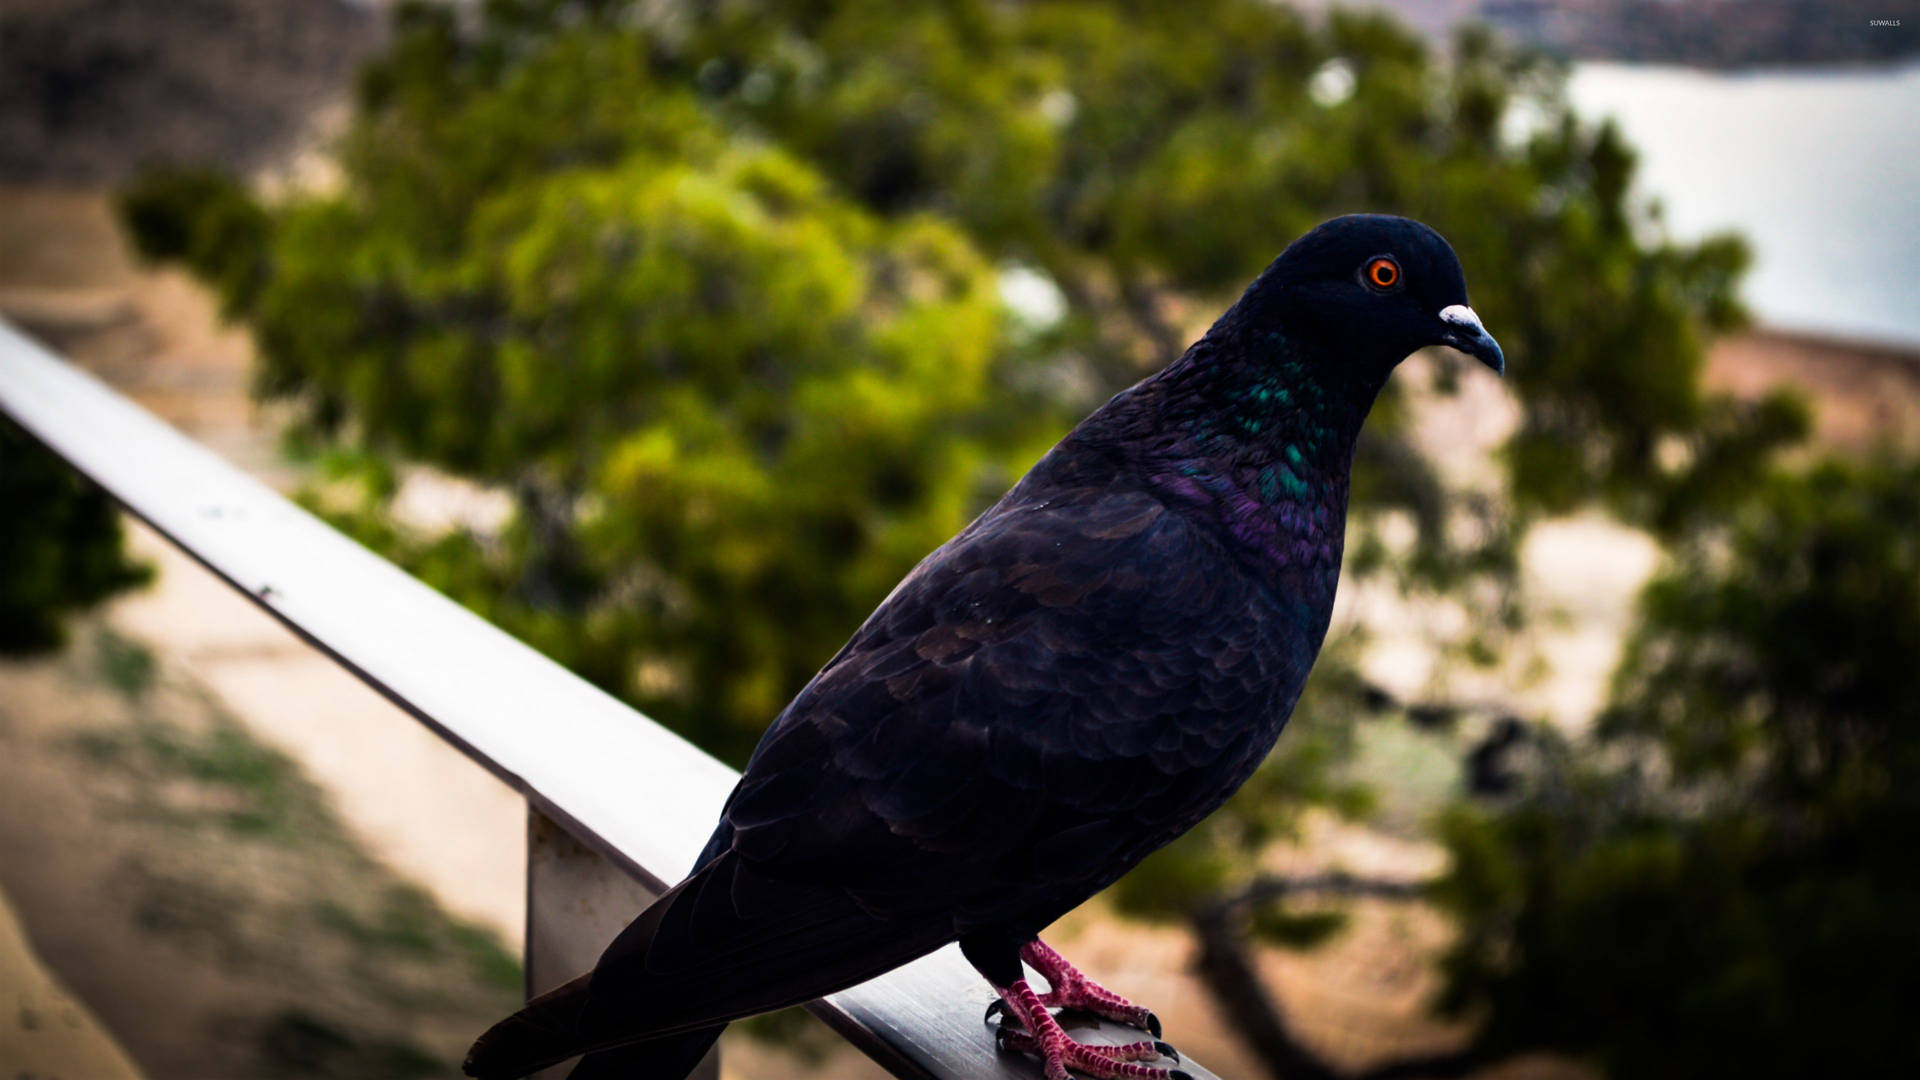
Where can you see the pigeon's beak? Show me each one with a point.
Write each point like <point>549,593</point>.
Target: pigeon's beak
<point>1464,332</point>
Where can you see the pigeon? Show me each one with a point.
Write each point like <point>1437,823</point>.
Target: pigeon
<point>1082,674</point>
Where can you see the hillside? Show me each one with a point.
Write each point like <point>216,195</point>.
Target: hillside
<point>1696,33</point>
<point>1714,33</point>
<point>91,89</point>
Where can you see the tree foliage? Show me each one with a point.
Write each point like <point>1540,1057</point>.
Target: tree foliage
<point>60,546</point>
<point>1720,883</point>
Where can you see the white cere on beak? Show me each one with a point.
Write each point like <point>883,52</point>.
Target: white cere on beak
<point>1461,315</point>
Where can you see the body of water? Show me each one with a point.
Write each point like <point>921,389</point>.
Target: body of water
<point>1819,169</point>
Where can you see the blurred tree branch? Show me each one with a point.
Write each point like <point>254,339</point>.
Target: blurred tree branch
<point>1226,967</point>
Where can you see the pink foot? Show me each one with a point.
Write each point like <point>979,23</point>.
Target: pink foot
<point>1067,988</point>
<point>1041,1035</point>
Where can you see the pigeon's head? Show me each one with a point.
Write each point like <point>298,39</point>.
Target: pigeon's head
<point>1367,290</point>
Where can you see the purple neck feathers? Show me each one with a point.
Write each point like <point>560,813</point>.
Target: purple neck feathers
<point>1250,434</point>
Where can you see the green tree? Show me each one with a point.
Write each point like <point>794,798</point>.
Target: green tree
<point>60,545</point>
<point>733,405</point>
<point>1720,883</point>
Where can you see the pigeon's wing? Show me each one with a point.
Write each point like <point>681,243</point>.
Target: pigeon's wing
<point>1074,668</point>
<point>1045,699</point>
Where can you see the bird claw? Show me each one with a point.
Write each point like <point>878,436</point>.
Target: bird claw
<point>1068,988</point>
<point>1087,1058</point>
<point>1026,1024</point>
<point>1007,1038</point>
<point>1148,1023</point>
<point>1095,1059</point>
<point>1132,1016</point>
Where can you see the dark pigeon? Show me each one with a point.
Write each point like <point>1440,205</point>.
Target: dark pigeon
<point>1077,678</point>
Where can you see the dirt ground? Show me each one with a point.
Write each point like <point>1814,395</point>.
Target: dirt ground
<point>197,892</point>
<point>1865,395</point>
<point>156,336</point>
<point>44,1030</point>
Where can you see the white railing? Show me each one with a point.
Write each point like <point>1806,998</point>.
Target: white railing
<point>619,806</point>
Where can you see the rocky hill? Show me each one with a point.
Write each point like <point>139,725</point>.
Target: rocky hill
<point>91,89</point>
<point>1715,33</point>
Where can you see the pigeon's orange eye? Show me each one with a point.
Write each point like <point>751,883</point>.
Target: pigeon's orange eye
<point>1382,272</point>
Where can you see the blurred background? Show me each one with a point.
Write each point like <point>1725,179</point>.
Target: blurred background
<point>668,335</point>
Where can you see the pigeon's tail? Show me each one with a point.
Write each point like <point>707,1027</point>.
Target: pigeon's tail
<point>728,942</point>
<point>669,1058</point>
<point>550,1030</point>
<point>544,1033</point>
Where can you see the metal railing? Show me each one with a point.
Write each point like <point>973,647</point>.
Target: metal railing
<point>619,806</point>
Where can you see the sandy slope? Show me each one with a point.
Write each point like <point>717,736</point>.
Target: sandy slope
<point>418,803</point>
<point>198,893</point>
<point>44,1030</point>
